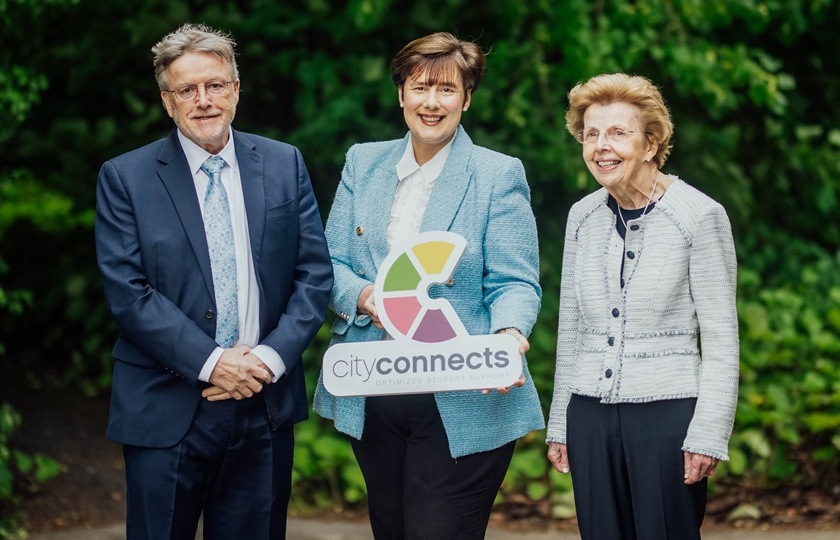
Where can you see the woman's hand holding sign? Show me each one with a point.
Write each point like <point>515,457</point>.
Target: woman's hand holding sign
<point>367,307</point>
<point>524,347</point>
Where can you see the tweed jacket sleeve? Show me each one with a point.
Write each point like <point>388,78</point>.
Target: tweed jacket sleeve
<point>348,284</point>
<point>511,278</point>
<point>568,337</point>
<point>712,281</point>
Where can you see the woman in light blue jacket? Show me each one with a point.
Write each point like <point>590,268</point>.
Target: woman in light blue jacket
<point>433,463</point>
<point>647,347</point>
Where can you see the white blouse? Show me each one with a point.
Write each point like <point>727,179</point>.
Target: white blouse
<point>413,191</point>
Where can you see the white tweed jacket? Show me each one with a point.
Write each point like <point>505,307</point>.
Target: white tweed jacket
<point>643,342</point>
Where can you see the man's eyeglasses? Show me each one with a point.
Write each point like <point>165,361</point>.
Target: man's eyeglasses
<point>613,134</point>
<point>190,91</point>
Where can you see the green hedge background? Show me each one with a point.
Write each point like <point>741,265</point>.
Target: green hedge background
<point>753,86</point>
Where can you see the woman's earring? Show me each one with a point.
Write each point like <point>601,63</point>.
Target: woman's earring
<point>465,109</point>
<point>401,105</point>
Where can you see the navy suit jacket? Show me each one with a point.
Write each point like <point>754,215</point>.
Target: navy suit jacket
<point>155,266</point>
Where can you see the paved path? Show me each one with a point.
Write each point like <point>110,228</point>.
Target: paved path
<point>301,529</point>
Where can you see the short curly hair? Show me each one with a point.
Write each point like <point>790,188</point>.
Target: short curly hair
<point>631,89</point>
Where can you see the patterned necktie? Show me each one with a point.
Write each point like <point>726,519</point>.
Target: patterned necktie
<point>219,231</point>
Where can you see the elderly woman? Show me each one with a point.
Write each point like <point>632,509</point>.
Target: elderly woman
<point>642,412</point>
<point>433,463</point>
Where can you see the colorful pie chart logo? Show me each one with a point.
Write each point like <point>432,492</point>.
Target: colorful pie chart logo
<point>402,288</point>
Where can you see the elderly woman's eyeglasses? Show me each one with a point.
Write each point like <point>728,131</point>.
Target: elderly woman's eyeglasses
<point>613,134</point>
<point>190,91</point>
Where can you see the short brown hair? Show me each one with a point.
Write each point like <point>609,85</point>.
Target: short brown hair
<point>440,54</point>
<point>631,89</point>
<point>192,38</point>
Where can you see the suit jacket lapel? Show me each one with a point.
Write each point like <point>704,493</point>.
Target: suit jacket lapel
<point>252,175</point>
<point>450,187</point>
<point>376,201</point>
<point>176,176</point>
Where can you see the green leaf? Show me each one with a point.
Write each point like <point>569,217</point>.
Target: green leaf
<point>536,490</point>
<point>23,462</point>
<point>757,442</point>
<point>818,422</point>
<point>46,468</point>
<point>737,462</point>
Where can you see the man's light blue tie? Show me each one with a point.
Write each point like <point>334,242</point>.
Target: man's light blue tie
<point>217,226</point>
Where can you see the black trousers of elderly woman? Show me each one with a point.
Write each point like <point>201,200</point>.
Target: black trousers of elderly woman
<point>627,470</point>
<point>416,490</point>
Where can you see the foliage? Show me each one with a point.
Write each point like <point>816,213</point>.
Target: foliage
<point>20,90</point>
<point>754,88</point>
<point>789,412</point>
<point>19,472</point>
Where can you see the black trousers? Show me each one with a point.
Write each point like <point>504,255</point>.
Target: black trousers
<point>230,465</point>
<point>416,490</point>
<point>627,470</point>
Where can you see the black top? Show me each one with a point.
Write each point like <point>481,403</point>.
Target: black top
<point>627,215</point>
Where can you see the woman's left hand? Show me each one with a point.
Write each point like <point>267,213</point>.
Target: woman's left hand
<point>698,467</point>
<point>524,346</point>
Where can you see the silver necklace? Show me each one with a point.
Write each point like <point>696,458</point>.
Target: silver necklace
<point>650,198</point>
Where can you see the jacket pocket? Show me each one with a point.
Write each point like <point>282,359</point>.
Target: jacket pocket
<point>282,209</point>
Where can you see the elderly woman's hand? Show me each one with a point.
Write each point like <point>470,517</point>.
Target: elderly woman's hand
<point>558,456</point>
<point>524,346</point>
<point>365,305</point>
<point>698,467</point>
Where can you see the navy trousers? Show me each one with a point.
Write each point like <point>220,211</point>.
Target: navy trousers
<point>416,490</point>
<point>230,465</point>
<point>627,470</point>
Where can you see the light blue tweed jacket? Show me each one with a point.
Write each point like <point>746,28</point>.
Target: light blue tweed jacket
<point>483,196</point>
<point>640,343</point>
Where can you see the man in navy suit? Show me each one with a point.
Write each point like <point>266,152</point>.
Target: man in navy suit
<point>216,270</point>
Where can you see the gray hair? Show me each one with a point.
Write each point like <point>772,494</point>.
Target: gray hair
<point>192,38</point>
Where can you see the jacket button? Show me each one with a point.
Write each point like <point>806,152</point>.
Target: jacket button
<point>631,255</point>
<point>634,227</point>
<point>451,282</point>
<point>360,230</point>
<point>608,373</point>
<point>209,314</point>
<point>610,341</point>
<point>615,312</point>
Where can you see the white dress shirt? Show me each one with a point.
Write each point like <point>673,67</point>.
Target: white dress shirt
<point>413,191</point>
<point>246,281</point>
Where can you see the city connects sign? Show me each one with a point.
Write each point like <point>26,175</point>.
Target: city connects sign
<point>431,351</point>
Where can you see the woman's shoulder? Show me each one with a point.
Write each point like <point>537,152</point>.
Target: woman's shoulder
<point>377,146</point>
<point>686,200</point>
<point>490,154</point>
<point>375,151</point>
<point>683,191</point>
<point>485,158</point>
<point>588,204</point>
<point>689,207</point>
